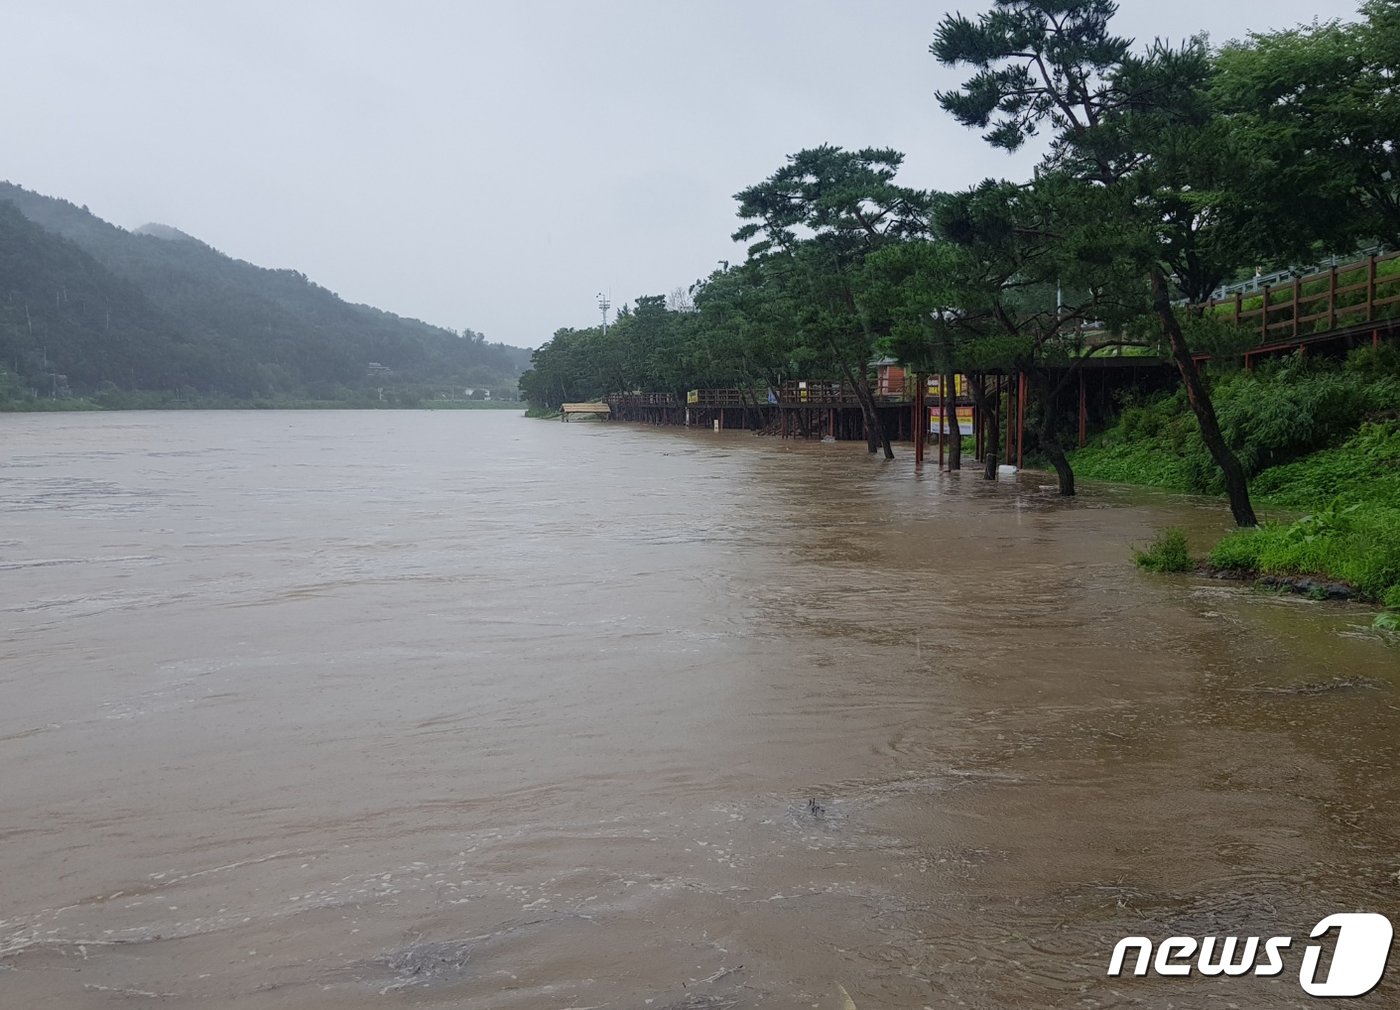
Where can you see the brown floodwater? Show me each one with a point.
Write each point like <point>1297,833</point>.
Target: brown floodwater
<point>456,709</point>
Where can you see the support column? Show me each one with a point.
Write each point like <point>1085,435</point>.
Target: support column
<point>1083,410</point>
<point>1020,420</point>
<point>920,419</point>
<point>1010,417</point>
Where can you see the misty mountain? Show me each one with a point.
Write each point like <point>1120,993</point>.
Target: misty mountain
<point>166,232</point>
<point>157,309</point>
<point>67,321</point>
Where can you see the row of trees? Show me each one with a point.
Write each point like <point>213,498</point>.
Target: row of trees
<point>1168,171</point>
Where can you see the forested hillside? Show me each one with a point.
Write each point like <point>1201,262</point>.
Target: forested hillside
<point>157,311</point>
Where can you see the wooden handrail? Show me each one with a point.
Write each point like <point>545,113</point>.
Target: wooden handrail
<point>1296,314</point>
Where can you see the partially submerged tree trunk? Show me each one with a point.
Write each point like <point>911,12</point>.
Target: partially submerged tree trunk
<point>1236,486</point>
<point>990,420</point>
<point>875,434</point>
<point>1049,434</point>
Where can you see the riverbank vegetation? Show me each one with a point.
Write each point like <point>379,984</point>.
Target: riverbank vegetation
<point>1170,171</point>
<point>1318,437</point>
<point>17,396</point>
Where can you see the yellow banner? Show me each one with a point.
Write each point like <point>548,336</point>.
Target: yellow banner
<point>935,383</point>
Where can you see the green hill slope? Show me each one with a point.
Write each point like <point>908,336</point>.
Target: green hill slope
<point>229,327</point>
<point>67,321</point>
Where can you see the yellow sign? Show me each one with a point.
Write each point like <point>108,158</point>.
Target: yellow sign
<point>935,383</point>
<point>693,396</point>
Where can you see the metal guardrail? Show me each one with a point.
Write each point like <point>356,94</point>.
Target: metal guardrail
<point>1259,281</point>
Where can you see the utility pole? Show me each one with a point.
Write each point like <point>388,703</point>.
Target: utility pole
<point>604,305</point>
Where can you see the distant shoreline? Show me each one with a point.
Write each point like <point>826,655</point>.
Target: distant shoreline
<point>79,406</point>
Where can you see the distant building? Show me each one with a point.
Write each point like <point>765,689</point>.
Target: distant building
<point>890,376</point>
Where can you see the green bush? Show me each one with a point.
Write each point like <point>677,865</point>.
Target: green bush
<point>1142,463</point>
<point>1391,597</point>
<point>1168,552</point>
<point>1358,544</point>
<point>1375,361</point>
<point>1366,466</point>
<point>1281,412</point>
<point>1239,551</point>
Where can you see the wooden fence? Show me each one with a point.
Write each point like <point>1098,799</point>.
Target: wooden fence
<point>1345,297</point>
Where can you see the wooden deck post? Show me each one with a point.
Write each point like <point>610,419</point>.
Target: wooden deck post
<point>1083,411</point>
<point>920,419</point>
<point>1332,299</point>
<point>942,418</point>
<point>977,418</point>
<point>1371,288</point>
<point>1021,420</point>
<point>1010,418</point>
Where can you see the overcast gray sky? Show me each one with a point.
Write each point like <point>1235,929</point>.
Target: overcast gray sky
<point>489,165</point>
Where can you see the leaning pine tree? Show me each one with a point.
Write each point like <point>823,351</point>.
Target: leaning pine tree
<point>1137,125</point>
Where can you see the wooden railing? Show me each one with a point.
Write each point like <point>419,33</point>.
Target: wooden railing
<point>1343,297</point>
<point>726,397</point>
<point>642,400</point>
<point>794,393</point>
<point>817,392</point>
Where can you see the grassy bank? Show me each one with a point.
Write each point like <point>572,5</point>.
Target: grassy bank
<point>1317,437</point>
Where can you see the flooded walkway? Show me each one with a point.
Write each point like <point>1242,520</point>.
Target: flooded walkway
<point>380,709</point>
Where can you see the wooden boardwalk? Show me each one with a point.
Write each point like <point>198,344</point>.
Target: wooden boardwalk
<point>572,410</point>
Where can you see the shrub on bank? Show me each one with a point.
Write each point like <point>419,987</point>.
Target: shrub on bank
<point>1238,552</point>
<point>1358,544</point>
<point>1168,552</point>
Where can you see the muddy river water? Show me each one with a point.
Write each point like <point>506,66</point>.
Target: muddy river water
<point>457,709</point>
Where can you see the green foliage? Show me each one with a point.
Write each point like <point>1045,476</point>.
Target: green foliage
<point>1132,463</point>
<point>1239,551</point>
<point>1366,466</point>
<point>1270,417</point>
<point>1357,544</point>
<point>1168,552</point>
<point>1350,483</point>
<point>92,310</point>
<point>1315,107</point>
